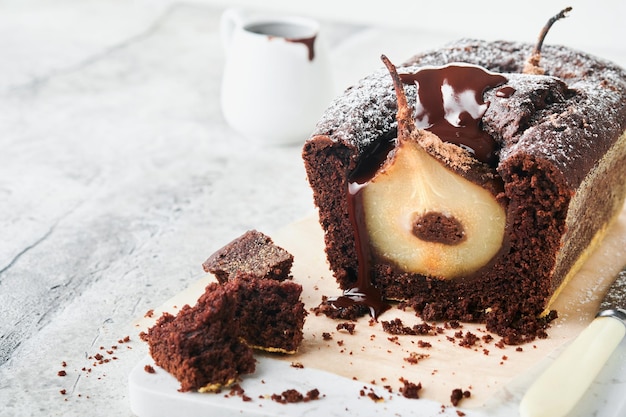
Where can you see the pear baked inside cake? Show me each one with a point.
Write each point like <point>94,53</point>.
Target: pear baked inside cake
<point>477,197</point>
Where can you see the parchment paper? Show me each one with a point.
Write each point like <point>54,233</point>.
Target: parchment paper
<point>374,356</point>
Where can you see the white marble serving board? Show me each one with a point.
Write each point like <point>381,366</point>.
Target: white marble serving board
<point>157,395</point>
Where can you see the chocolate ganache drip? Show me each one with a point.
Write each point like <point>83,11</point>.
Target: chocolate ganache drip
<point>449,104</point>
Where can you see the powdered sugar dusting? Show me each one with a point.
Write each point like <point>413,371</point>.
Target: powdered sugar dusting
<point>569,116</point>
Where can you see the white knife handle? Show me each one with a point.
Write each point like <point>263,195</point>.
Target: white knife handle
<point>563,383</point>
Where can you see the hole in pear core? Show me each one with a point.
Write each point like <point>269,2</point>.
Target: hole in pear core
<point>437,227</point>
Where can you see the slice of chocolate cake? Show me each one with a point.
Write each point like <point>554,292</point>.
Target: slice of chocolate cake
<point>253,253</point>
<point>494,201</point>
<point>208,346</point>
<point>201,345</point>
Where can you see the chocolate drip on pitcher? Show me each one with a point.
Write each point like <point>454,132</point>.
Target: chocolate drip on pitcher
<point>308,42</point>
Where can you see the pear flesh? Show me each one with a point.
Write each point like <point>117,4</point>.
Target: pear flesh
<point>413,183</point>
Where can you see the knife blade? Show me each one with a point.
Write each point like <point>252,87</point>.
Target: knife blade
<point>559,388</point>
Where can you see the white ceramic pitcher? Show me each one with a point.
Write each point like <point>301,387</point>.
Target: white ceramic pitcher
<point>277,80</point>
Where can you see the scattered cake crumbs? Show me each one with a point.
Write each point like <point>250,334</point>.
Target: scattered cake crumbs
<point>326,336</point>
<point>237,390</point>
<point>149,313</point>
<point>458,394</point>
<point>468,340</point>
<point>149,369</point>
<point>410,389</point>
<point>415,357</point>
<point>423,344</point>
<point>62,373</point>
<point>349,327</point>
<point>297,365</point>
<point>371,395</point>
<point>394,339</point>
<point>396,327</point>
<point>294,396</point>
<point>327,308</point>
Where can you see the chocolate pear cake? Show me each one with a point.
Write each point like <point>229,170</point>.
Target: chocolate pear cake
<point>469,188</point>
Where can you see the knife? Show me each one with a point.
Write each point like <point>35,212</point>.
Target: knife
<point>563,383</point>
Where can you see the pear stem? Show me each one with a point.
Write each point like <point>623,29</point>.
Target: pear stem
<point>532,65</point>
<point>404,115</point>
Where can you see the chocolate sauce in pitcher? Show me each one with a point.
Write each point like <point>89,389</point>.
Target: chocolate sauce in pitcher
<point>449,104</point>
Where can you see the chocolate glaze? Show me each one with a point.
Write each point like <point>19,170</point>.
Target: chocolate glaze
<point>308,42</point>
<point>450,104</point>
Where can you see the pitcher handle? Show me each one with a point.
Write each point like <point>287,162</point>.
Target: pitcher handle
<point>230,20</point>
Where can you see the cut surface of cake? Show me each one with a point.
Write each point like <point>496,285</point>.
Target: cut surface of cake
<point>269,313</point>
<point>497,198</point>
<point>201,346</point>
<point>253,253</point>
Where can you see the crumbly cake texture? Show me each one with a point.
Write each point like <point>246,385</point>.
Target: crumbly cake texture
<point>201,346</point>
<point>269,313</point>
<point>562,161</point>
<point>253,253</point>
<point>210,345</point>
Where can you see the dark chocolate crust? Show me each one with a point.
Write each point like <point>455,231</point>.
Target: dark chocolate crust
<point>253,253</point>
<point>560,136</point>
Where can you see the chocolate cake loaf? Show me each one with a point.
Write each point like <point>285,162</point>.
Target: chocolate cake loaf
<point>495,199</point>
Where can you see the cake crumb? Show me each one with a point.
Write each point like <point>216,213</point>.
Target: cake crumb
<point>371,395</point>
<point>415,357</point>
<point>149,369</point>
<point>422,344</point>
<point>410,389</point>
<point>457,395</point>
<point>294,396</point>
<point>468,340</point>
<point>349,327</point>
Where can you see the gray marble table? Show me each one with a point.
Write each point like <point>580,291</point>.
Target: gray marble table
<point>118,177</point>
